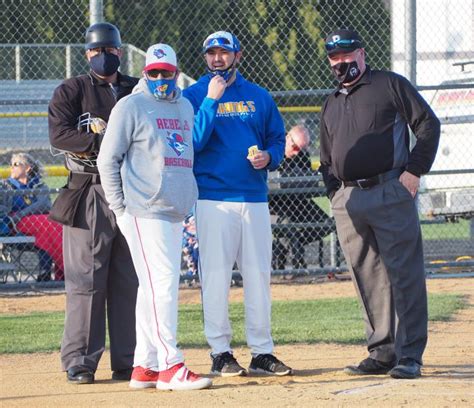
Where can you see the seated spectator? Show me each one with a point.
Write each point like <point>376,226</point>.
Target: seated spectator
<point>190,246</point>
<point>49,237</point>
<point>26,174</point>
<point>297,207</point>
<point>27,212</point>
<point>5,221</point>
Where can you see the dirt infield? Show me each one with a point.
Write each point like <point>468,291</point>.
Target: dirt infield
<point>448,375</point>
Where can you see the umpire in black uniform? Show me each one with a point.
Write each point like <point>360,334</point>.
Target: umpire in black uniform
<point>372,179</point>
<point>99,273</point>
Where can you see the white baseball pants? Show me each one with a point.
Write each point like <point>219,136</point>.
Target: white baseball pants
<point>230,232</point>
<point>155,246</point>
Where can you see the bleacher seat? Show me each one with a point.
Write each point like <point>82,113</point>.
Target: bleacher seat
<point>29,96</point>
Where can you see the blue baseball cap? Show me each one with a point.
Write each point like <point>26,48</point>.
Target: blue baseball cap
<point>221,39</point>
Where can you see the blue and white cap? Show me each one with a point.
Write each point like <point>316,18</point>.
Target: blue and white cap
<point>221,39</point>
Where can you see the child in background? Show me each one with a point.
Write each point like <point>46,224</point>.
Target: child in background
<point>190,247</point>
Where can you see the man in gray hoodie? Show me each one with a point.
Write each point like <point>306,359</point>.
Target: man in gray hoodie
<point>145,164</point>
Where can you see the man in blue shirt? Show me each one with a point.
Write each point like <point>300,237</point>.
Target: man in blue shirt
<point>238,136</point>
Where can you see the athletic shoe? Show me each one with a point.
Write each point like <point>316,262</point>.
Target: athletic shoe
<point>268,364</point>
<point>179,377</point>
<point>225,365</point>
<point>369,366</point>
<point>143,378</point>
<point>44,276</point>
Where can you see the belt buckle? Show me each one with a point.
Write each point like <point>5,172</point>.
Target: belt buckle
<point>361,184</point>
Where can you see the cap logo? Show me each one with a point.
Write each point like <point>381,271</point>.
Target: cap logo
<point>336,38</point>
<point>159,53</point>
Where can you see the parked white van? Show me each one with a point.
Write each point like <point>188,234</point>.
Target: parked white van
<point>452,195</point>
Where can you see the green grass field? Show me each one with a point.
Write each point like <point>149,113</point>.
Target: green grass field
<point>316,321</point>
<point>55,182</point>
<point>448,231</point>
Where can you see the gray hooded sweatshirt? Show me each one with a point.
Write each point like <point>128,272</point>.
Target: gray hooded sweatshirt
<point>146,157</point>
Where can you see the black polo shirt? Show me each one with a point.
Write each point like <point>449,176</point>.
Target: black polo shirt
<point>364,129</point>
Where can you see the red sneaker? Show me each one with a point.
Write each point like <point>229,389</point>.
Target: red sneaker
<point>143,378</point>
<point>179,377</point>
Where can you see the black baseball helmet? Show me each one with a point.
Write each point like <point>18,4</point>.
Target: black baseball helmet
<point>103,35</point>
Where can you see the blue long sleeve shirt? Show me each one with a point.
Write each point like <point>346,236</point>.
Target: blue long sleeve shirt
<point>245,116</point>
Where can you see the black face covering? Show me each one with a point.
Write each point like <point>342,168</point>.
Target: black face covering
<point>104,64</point>
<point>346,72</point>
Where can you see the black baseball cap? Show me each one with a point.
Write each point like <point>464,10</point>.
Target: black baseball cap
<point>342,40</point>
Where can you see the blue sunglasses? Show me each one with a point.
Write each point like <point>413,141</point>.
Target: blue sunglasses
<point>217,41</point>
<point>344,44</point>
<point>221,42</point>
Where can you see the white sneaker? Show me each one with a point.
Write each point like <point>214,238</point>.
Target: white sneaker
<point>179,377</point>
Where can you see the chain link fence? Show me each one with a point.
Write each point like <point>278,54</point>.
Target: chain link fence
<point>431,42</point>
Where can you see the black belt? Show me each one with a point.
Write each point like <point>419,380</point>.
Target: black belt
<point>373,181</point>
<point>81,180</point>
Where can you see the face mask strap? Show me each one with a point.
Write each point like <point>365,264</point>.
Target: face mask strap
<point>225,73</point>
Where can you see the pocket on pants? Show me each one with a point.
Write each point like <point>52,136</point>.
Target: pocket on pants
<point>402,192</point>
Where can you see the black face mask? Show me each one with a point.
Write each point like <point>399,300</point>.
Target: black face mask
<point>104,64</point>
<point>346,72</point>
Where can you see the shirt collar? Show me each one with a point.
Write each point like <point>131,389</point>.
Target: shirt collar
<point>122,80</point>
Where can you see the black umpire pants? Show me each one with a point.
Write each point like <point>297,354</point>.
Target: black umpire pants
<point>99,278</point>
<point>380,236</point>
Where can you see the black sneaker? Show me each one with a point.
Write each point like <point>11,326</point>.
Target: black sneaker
<point>44,277</point>
<point>369,366</point>
<point>268,364</point>
<point>225,365</point>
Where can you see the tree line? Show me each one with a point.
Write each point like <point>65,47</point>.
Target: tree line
<point>282,40</point>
